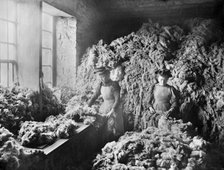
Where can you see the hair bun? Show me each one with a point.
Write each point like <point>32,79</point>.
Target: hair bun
<point>163,72</point>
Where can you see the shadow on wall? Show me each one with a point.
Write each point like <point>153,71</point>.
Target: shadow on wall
<point>110,29</point>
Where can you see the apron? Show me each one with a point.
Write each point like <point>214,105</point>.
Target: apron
<point>162,96</point>
<point>114,123</point>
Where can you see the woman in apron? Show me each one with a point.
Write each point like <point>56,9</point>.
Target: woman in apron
<point>163,99</point>
<point>111,108</point>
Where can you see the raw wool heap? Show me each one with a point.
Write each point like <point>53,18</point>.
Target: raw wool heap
<point>77,110</point>
<point>50,105</point>
<point>197,74</point>
<point>82,114</point>
<point>9,151</point>
<point>15,106</point>
<point>63,94</point>
<point>216,106</point>
<point>34,134</point>
<point>20,104</point>
<point>151,40</point>
<point>157,44</point>
<point>153,148</point>
<point>216,65</point>
<point>204,31</point>
<point>200,57</point>
<point>12,154</point>
<point>195,57</point>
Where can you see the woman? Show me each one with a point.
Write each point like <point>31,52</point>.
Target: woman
<point>111,108</point>
<point>163,99</point>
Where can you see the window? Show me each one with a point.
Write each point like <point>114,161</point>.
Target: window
<point>50,17</point>
<point>8,42</point>
<point>47,48</point>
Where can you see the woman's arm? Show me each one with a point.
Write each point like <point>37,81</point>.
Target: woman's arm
<point>95,95</point>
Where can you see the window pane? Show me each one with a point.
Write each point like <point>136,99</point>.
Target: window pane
<point>12,33</point>
<point>47,22</point>
<point>47,74</point>
<point>3,31</point>
<point>10,74</point>
<point>46,57</point>
<point>4,74</point>
<point>3,51</point>
<point>12,10</point>
<point>47,39</point>
<point>12,52</point>
<point>3,9</point>
<point>8,10</point>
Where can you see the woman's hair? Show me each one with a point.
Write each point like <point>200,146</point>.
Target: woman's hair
<point>163,73</point>
<point>101,71</point>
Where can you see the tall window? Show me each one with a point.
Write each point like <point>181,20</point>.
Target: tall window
<point>47,48</point>
<point>50,16</point>
<point>8,42</point>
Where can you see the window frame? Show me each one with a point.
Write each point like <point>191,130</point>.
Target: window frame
<point>52,48</point>
<point>13,62</point>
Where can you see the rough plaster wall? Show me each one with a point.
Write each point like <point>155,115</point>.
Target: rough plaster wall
<point>87,27</point>
<point>28,39</point>
<point>66,51</point>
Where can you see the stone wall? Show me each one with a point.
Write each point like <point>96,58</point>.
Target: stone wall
<point>66,51</point>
